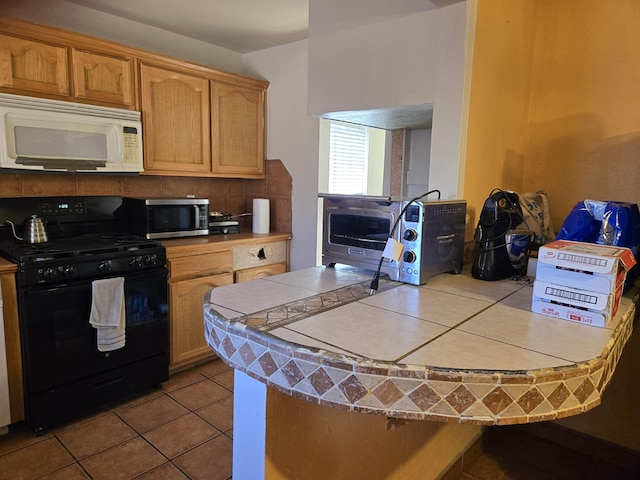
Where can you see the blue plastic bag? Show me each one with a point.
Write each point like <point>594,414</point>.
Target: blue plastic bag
<point>605,223</point>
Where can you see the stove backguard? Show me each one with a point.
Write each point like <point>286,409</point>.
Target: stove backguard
<point>63,216</point>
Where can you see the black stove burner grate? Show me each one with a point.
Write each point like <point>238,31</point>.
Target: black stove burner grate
<point>80,246</point>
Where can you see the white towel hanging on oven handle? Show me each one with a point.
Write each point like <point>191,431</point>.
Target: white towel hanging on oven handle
<point>108,313</point>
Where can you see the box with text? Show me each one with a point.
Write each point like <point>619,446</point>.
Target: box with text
<point>581,282</point>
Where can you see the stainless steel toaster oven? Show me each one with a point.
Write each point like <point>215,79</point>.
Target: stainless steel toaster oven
<point>356,230</point>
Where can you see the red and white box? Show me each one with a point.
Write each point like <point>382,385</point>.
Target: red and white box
<point>581,282</point>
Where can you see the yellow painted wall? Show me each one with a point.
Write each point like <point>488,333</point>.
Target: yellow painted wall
<point>554,102</point>
<point>555,105</point>
<point>499,100</point>
<point>584,121</point>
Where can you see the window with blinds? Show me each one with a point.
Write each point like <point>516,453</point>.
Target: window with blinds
<point>348,159</point>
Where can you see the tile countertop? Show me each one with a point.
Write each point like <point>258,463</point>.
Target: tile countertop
<point>456,349</point>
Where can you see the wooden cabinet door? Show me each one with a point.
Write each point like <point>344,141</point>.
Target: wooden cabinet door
<point>237,135</point>
<point>103,78</point>
<point>187,320</point>
<point>9,314</point>
<point>176,118</point>
<point>33,66</point>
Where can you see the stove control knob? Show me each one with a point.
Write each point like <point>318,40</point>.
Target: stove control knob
<point>410,235</point>
<point>135,262</point>
<point>48,273</point>
<point>409,257</point>
<point>104,267</point>
<point>68,271</point>
<point>151,259</point>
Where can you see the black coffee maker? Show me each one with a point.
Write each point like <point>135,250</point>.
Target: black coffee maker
<point>501,240</point>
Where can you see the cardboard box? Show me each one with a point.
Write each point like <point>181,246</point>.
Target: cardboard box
<point>580,282</point>
<point>573,314</point>
<point>578,279</point>
<point>586,257</point>
<point>582,306</point>
<point>591,300</point>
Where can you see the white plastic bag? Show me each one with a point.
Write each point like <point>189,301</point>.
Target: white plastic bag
<point>535,207</point>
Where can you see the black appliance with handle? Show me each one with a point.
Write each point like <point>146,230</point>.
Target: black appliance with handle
<point>64,373</point>
<point>500,218</point>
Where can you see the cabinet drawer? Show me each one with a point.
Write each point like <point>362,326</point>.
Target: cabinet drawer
<point>207,263</point>
<point>260,272</point>
<point>259,255</point>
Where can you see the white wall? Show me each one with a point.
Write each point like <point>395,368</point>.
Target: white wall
<point>417,155</point>
<point>74,17</point>
<point>407,60</point>
<point>292,137</point>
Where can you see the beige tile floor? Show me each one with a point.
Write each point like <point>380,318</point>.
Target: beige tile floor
<point>182,430</point>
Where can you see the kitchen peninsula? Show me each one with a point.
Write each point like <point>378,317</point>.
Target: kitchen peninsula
<point>459,351</point>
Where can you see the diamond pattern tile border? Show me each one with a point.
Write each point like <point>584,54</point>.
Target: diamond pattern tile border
<point>414,392</point>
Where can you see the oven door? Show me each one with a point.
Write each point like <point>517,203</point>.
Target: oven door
<point>59,344</point>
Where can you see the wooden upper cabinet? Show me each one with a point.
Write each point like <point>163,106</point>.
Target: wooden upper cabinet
<point>103,78</point>
<point>33,66</point>
<point>197,120</point>
<point>237,130</point>
<point>176,119</point>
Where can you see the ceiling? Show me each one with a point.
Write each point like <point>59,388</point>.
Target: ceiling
<point>239,25</point>
<point>245,26</point>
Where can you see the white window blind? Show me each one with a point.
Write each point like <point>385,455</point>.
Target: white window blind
<point>348,159</point>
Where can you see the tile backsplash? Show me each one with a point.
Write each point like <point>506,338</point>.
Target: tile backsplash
<point>225,194</point>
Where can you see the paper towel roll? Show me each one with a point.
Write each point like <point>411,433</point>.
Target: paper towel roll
<point>260,215</point>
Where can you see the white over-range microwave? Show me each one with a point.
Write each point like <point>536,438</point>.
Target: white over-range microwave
<point>52,135</point>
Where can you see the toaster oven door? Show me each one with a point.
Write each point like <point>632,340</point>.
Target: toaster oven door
<point>356,236</point>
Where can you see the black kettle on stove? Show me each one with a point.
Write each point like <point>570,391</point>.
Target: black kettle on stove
<point>501,241</point>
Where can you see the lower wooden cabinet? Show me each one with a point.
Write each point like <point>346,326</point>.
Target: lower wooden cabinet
<point>187,321</point>
<point>12,343</point>
<point>196,266</point>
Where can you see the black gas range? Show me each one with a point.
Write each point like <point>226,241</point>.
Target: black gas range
<point>86,237</point>
<point>66,370</point>
<point>82,256</point>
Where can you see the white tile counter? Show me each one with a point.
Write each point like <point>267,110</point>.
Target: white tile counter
<point>456,349</point>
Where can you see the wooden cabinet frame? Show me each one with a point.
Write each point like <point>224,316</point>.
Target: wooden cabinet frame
<point>197,266</point>
<point>197,120</point>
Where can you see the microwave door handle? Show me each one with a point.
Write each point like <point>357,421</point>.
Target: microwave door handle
<point>196,219</point>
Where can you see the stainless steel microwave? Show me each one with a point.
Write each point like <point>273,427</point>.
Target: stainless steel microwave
<point>167,217</point>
